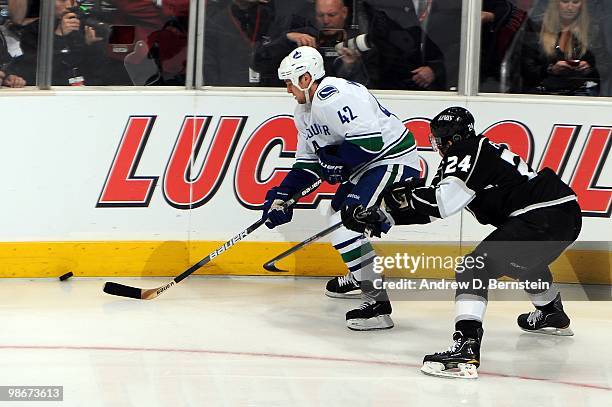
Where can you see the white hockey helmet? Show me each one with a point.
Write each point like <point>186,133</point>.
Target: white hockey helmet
<point>298,62</point>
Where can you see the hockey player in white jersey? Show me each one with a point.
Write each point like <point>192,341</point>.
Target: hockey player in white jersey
<point>344,137</point>
<point>536,217</point>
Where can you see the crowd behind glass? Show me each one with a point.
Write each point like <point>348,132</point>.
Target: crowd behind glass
<point>559,47</point>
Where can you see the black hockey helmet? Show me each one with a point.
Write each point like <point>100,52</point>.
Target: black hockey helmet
<point>452,124</point>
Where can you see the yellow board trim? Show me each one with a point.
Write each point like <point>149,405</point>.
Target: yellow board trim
<point>158,258</point>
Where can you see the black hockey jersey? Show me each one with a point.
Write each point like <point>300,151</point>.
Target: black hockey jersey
<point>490,181</point>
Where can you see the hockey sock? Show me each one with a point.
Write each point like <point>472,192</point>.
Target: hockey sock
<point>469,307</point>
<point>544,298</point>
<point>355,250</point>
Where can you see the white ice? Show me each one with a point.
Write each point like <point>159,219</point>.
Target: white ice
<point>213,341</point>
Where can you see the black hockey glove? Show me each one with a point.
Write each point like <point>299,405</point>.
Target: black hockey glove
<point>273,207</point>
<point>397,196</point>
<point>371,221</point>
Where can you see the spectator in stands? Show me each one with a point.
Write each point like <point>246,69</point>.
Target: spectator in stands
<point>331,26</point>
<point>558,55</point>
<point>23,12</point>
<point>440,20</point>
<point>7,78</point>
<point>498,29</point>
<point>606,16</point>
<point>77,51</point>
<point>162,27</point>
<point>403,57</point>
<point>233,30</point>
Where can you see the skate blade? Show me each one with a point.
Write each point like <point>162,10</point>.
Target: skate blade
<point>349,295</point>
<point>370,324</point>
<point>552,331</point>
<point>463,371</point>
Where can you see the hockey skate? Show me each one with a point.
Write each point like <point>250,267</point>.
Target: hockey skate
<point>343,287</point>
<point>460,360</point>
<point>544,321</point>
<point>370,315</point>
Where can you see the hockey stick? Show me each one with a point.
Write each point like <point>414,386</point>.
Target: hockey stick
<point>270,265</point>
<point>148,294</point>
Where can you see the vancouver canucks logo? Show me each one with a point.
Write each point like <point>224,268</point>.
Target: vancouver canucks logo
<point>297,54</point>
<point>326,92</point>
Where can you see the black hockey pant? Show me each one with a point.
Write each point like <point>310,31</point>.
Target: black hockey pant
<point>522,248</point>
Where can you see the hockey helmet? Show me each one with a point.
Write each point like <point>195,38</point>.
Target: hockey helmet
<point>452,124</point>
<point>298,62</point>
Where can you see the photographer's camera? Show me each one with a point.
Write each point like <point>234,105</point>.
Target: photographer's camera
<point>89,19</point>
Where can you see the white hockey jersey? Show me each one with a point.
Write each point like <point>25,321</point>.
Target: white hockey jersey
<point>342,110</point>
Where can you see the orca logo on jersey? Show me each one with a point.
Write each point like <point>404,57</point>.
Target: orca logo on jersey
<point>326,92</point>
<point>297,54</point>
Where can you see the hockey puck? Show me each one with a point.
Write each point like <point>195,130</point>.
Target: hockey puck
<point>66,276</point>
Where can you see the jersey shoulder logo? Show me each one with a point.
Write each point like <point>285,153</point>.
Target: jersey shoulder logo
<point>327,92</point>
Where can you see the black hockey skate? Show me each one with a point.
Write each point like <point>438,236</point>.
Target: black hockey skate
<point>460,360</point>
<point>549,319</point>
<point>369,316</point>
<point>343,287</point>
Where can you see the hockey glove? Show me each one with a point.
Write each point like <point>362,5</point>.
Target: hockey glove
<point>333,169</point>
<point>273,207</point>
<point>396,200</point>
<point>372,221</point>
<point>397,196</point>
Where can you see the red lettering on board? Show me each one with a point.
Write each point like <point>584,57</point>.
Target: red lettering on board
<point>559,147</point>
<point>515,135</point>
<point>123,188</point>
<point>594,200</point>
<point>419,127</point>
<point>253,178</point>
<point>181,188</point>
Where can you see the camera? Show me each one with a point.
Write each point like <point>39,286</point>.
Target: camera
<point>328,39</point>
<point>359,42</point>
<point>573,62</point>
<point>90,19</point>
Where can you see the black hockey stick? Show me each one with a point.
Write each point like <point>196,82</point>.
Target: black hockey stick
<point>148,294</point>
<point>270,264</point>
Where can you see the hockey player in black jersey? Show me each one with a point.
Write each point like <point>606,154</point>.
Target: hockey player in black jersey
<point>535,214</point>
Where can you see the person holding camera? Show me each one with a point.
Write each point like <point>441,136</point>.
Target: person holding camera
<point>329,29</point>
<point>77,49</point>
<point>558,53</point>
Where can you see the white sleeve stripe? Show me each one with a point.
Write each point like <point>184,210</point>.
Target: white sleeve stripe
<point>475,160</point>
<point>314,160</point>
<point>424,201</point>
<point>366,135</point>
<point>453,195</point>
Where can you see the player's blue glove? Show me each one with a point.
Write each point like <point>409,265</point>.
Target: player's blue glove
<point>273,207</point>
<point>333,169</point>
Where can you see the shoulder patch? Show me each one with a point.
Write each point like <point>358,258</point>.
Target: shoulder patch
<point>327,92</point>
